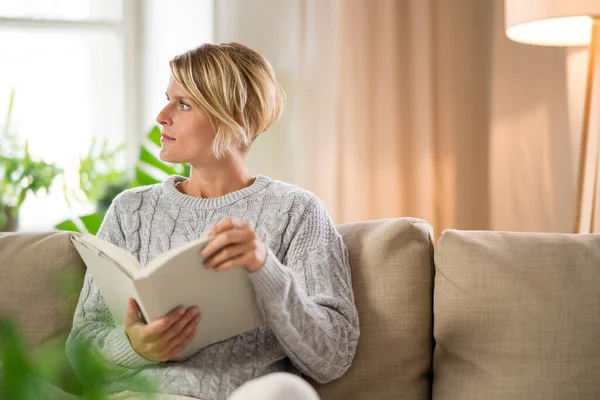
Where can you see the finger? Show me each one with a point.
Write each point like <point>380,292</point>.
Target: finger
<point>157,328</point>
<point>180,348</point>
<point>181,345</point>
<point>191,315</point>
<point>182,336</point>
<point>132,317</point>
<point>238,261</point>
<point>225,225</point>
<point>225,239</point>
<point>180,342</point>
<point>228,253</point>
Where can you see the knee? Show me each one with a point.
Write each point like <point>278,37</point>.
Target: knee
<point>276,386</point>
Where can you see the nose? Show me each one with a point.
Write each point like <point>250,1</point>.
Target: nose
<point>163,117</point>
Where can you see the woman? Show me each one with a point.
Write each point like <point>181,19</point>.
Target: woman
<point>219,99</point>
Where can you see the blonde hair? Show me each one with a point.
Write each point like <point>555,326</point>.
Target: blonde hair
<point>236,86</point>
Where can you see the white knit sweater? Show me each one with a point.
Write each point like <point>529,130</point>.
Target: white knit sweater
<point>304,288</point>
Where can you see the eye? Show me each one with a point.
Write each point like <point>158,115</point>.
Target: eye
<point>183,106</point>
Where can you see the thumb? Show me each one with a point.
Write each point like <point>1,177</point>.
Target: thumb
<point>133,310</point>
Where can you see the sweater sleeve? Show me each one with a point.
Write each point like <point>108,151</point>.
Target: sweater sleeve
<point>93,323</point>
<point>308,302</point>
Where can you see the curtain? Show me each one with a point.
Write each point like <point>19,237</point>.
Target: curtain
<point>417,108</point>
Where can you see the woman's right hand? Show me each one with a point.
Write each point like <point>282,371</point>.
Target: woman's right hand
<point>164,338</point>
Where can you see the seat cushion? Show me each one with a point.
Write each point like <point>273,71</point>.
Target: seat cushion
<point>516,316</point>
<point>41,277</point>
<point>391,262</point>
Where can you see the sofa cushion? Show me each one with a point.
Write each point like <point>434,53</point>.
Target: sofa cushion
<point>391,262</point>
<point>516,316</point>
<point>41,276</point>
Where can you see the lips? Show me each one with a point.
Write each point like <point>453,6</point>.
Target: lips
<point>166,138</point>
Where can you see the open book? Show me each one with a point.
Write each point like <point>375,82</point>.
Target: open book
<point>175,278</point>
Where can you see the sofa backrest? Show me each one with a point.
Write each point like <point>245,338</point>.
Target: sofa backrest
<point>516,316</point>
<point>392,273</point>
<point>41,277</point>
<point>392,277</point>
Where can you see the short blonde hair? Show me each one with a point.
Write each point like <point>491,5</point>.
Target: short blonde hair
<point>236,86</point>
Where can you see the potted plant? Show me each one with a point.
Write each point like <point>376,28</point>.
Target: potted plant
<point>20,174</point>
<point>101,181</point>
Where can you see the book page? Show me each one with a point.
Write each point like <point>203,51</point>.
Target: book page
<point>120,256</point>
<point>115,283</point>
<point>164,258</point>
<point>226,299</point>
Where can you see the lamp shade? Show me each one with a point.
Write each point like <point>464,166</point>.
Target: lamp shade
<point>551,22</point>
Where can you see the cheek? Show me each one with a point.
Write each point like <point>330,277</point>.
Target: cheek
<point>195,130</point>
<point>203,131</point>
<point>196,138</point>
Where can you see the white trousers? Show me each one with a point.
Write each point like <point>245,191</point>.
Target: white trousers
<point>276,386</point>
<point>279,385</point>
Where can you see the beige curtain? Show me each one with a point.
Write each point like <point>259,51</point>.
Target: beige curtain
<point>413,108</point>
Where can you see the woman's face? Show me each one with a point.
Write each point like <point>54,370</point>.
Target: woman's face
<point>187,132</point>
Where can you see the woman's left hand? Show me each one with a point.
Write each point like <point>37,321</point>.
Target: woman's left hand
<point>235,243</point>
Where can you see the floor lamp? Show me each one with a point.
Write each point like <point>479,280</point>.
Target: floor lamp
<point>569,23</point>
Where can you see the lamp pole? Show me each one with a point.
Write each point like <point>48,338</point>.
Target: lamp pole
<point>587,197</point>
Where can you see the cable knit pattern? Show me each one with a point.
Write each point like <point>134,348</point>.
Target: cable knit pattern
<point>304,288</point>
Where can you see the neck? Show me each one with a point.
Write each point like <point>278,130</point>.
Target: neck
<point>216,180</point>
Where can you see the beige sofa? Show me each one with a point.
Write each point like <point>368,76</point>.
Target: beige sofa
<point>487,315</point>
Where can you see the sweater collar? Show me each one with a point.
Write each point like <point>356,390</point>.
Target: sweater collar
<point>175,196</point>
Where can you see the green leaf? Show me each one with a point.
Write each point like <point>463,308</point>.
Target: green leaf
<point>49,360</point>
<point>142,178</point>
<point>154,135</point>
<point>91,372</point>
<point>9,112</point>
<point>67,225</point>
<point>22,196</point>
<point>147,157</point>
<point>92,222</point>
<point>19,172</point>
<point>16,366</point>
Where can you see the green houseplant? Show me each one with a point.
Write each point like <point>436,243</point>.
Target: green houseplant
<point>28,374</point>
<point>102,186</point>
<point>20,174</point>
<point>25,375</point>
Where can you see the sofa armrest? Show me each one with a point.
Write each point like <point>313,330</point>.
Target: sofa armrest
<point>41,280</point>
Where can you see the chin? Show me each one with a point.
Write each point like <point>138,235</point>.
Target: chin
<point>168,158</point>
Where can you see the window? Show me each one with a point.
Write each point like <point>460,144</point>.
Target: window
<point>67,62</point>
<point>64,10</point>
<point>88,68</point>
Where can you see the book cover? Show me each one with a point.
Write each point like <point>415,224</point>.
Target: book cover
<point>226,299</point>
